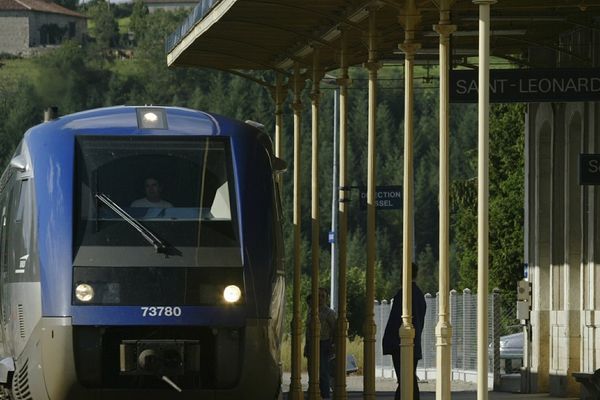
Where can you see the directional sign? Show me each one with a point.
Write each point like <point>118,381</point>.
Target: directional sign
<point>528,85</point>
<point>589,169</point>
<point>386,198</point>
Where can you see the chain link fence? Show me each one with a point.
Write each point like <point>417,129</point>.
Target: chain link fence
<point>463,318</point>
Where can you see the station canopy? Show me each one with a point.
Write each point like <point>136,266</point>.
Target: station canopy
<point>274,34</point>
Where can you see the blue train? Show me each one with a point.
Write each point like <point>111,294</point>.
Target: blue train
<point>141,256</point>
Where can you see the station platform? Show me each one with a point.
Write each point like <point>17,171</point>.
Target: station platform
<point>462,395</point>
<point>386,387</point>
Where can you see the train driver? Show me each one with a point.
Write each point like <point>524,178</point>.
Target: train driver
<point>153,195</point>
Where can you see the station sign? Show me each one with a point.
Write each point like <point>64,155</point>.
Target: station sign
<point>528,85</point>
<point>386,197</point>
<point>589,169</point>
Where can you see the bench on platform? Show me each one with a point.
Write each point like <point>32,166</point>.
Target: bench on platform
<point>590,384</point>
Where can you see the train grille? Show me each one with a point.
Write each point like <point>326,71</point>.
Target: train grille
<point>21,383</point>
<point>21,314</point>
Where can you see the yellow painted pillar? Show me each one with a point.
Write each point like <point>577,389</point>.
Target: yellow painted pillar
<point>369,327</point>
<point>483,197</point>
<point>443,330</point>
<point>295,384</point>
<point>315,324</point>
<point>407,331</point>
<point>339,392</point>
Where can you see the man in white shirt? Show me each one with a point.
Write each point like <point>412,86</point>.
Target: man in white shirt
<point>153,198</point>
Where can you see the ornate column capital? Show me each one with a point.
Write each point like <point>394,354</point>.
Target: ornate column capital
<point>372,66</point>
<point>444,29</point>
<point>343,81</point>
<point>297,106</point>
<point>409,48</point>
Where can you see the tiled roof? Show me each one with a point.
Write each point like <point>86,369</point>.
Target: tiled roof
<point>37,5</point>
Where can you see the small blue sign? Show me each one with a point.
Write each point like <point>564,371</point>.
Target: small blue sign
<point>331,237</point>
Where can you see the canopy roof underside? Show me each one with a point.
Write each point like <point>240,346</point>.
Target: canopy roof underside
<point>274,34</point>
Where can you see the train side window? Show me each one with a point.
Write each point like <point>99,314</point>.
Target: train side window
<point>23,217</point>
<point>6,231</point>
<point>3,235</point>
<point>23,200</point>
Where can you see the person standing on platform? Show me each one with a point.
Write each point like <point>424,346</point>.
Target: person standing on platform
<point>391,337</point>
<point>327,318</point>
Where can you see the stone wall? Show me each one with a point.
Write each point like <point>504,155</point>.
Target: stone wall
<point>564,257</point>
<point>14,33</point>
<point>73,27</point>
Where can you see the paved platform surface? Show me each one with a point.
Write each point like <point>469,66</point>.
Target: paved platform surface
<point>461,396</point>
<point>386,388</point>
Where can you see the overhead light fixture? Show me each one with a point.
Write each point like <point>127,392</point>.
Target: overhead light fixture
<point>434,51</point>
<point>498,32</point>
<point>519,18</point>
<point>359,15</point>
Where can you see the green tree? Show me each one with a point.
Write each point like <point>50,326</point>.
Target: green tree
<point>505,206</point>
<point>105,28</point>
<point>137,20</point>
<point>427,277</point>
<point>70,4</point>
<point>83,80</point>
<point>506,198</point>
<point>21,109</point>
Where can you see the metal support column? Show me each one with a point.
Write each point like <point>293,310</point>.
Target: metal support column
<point>295,384</point>
<point>315,324</point>
<point>483,197</point>
<point>407,331</point>
<point>339,392</point>
<point>334,277</point>
<point>443,330</point>
<point>369,327</point>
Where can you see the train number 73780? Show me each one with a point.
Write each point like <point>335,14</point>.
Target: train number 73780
<point>160,311</point>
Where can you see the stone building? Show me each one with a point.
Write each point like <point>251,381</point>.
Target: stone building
<point>563,228</point>
<point>29,25</point>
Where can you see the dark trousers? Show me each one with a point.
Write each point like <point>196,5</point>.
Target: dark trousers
<point>396,360</point>
<point>324,372</point>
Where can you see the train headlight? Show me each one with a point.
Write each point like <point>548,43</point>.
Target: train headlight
<point>232,293</point>
<point>151,118</point>
<point>84,292</point>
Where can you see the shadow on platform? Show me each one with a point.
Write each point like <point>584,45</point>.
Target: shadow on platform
<point>466,395</point>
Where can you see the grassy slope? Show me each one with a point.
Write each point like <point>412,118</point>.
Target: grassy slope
<point>12,71</point>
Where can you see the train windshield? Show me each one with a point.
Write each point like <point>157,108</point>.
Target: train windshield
<point>155,201</point>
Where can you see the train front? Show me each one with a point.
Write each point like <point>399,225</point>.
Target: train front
<point>174,277</point>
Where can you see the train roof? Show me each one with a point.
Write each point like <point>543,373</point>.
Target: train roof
<point>153,120</point>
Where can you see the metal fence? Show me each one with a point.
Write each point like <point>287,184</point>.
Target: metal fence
<point>463,318</point>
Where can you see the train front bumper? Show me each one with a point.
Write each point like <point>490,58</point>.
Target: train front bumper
<point>53,347</point>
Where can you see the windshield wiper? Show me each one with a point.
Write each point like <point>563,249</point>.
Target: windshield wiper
<point>159,244</point>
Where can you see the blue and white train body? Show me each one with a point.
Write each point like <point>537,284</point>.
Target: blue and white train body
<point>103,300</point>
